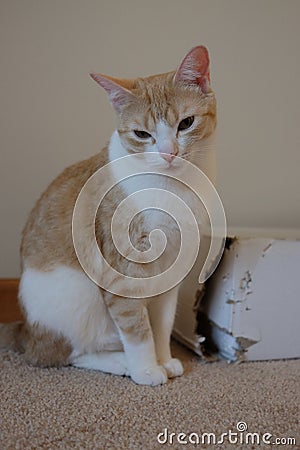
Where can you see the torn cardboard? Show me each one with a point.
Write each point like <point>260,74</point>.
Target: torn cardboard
<point>249,309</point>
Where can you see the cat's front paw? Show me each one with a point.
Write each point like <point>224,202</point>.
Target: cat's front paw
<point>151,376</point>
<point>173,367</point>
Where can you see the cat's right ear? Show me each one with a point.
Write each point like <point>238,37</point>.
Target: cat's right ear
<point>194,69</point>
<point>118,90</point>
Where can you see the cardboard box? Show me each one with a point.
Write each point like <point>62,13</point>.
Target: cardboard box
<point>249,309</point>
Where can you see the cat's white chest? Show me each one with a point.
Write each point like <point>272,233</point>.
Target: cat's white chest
<point>148,189</point>
<point>150,202</point>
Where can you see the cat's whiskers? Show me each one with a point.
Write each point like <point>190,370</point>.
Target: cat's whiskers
<point>201,152</point>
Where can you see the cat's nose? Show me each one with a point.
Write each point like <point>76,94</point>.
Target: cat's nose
<point>168,153</point>
<point>167,156</point>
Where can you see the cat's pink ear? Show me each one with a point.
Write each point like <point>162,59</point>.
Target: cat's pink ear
<point>118,90</point>
<point>194,69</point>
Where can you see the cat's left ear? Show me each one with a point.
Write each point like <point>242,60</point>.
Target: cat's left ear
<point>194,69</point>
<point>118,90</point>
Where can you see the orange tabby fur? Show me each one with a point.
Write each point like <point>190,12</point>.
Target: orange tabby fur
<point>47,237</point>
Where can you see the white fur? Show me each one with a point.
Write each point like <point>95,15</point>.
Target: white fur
<point>150,362</point>
<point>151,163</point>
<point>165,138</point>
<point>137,183</point>
<point>142,363</point>
<point>162,313</point>
<point>110,362</point>
<point>163,201</point>
<point>67,302</point>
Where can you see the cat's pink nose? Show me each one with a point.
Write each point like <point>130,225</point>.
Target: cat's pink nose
<point>167,156</point>
<point>168,152</point>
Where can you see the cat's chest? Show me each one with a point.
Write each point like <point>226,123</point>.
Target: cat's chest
<point>158,200</point>
<point>155,197</point>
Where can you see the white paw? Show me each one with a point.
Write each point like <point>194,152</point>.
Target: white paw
<point>109,362</point>
<point>151,376</point>
<point>118,365</point>
<point>173,367</point>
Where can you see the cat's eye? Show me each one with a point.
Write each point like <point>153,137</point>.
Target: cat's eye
<point>142,134</point>
<point>186,123</point>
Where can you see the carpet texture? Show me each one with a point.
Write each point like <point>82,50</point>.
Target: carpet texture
<point>76,409</point>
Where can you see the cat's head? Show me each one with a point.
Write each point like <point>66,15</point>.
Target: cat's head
<point>170,114</point>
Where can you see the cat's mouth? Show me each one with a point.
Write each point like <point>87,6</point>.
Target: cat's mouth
<point>158,161</point>
<point>167,164</point>
<point>176,165</point>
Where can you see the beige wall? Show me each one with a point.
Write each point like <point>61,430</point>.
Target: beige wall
<point>53,114</point>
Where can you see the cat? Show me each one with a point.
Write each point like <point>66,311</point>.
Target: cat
<point>68,318</point>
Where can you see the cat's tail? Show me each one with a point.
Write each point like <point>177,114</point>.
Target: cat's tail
<point>13,336</point>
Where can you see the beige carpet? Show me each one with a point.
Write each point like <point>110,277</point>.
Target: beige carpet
<point>75,409</point>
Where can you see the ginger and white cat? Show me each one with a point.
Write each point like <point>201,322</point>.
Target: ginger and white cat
<point>68,318</point>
